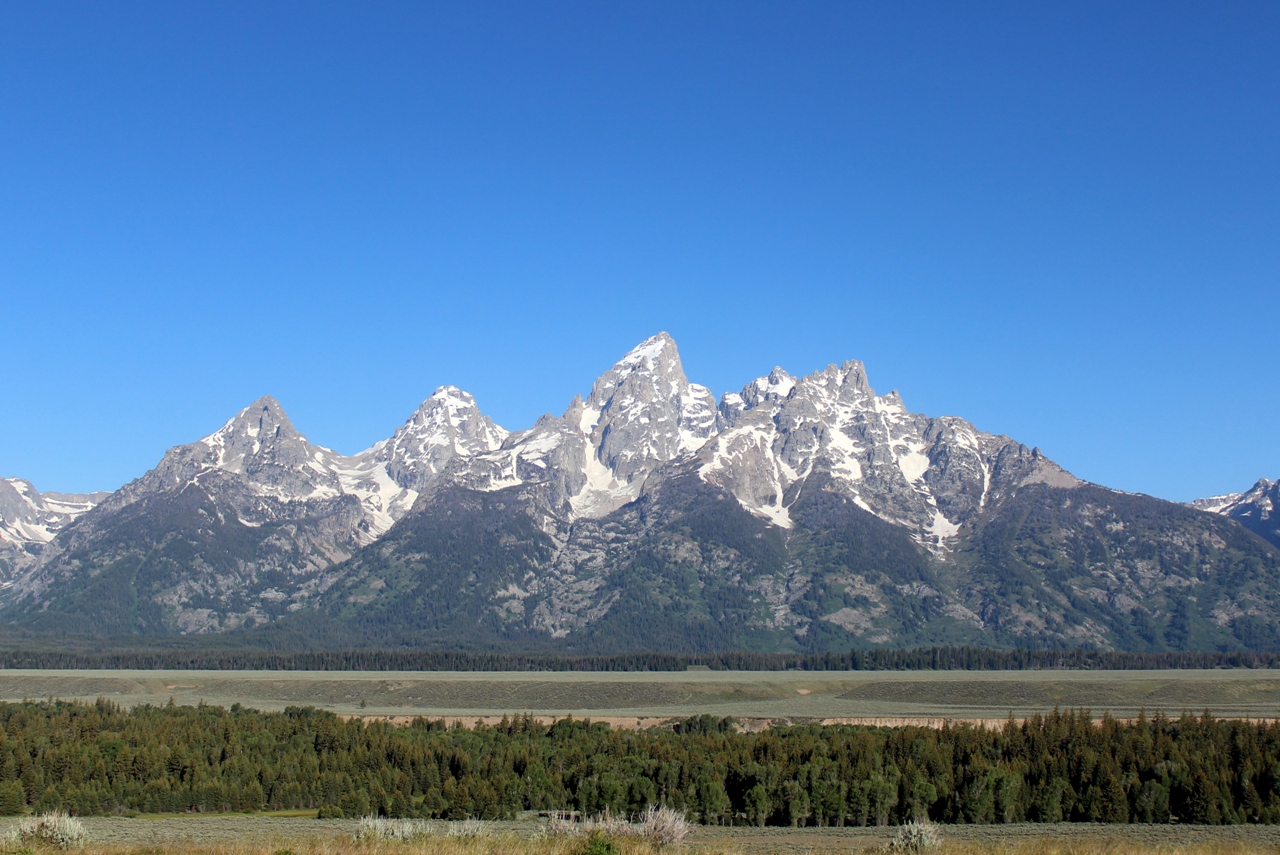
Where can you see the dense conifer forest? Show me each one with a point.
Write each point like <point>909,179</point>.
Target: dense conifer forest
<point>918,659</point>
<point>98,758</point>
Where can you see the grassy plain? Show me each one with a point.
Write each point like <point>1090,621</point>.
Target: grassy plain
<point>243,835</point>
<point>645,697</point>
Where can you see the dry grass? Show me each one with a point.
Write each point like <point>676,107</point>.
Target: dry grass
<point>748,695</point>
<point>1117,847</point>
<point>506,844</point>
<point>486,845</point>
<point>249,835</point>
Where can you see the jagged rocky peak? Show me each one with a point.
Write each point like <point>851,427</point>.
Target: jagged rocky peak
<point>774,387</point>
<point>1217,504</point>
<point>845,383</point>
<point>1259,503</point>
<point>258,436</point>
<point>260,446</point>
<point>1263,489</point>
<point>1256,508</point>
<point>640,414</point>
<point>644,411</point>
<point>932,475</point>
<point>1262,494</point>
<point>449,424</point>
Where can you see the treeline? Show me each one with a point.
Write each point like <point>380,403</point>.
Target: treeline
<point>98,758</point>
<point>919,659</point>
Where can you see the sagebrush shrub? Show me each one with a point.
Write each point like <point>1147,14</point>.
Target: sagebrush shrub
<point>661,826</point>
<point>382,828</point>
<point>54,829</point>
<point>665,826</point>
<point>916,836</point>
<point>467,829</point>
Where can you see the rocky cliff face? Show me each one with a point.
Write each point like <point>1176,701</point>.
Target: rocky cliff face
<point>800,513</point>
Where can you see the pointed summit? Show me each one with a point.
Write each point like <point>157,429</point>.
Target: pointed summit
<point>656,357</point>
<point>449,424</point>
<point>259,434</point>
<point>263,416</point>
<point>774,386</point>
<point>655,348</point>
<point>644,411</point>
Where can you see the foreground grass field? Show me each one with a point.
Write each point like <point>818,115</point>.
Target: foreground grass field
<point>643,697</point>
<point>232,835</point>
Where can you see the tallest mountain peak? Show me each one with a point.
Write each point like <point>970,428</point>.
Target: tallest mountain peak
<point>654,362</point>
<point>645,411</point>
<point>653,348</point>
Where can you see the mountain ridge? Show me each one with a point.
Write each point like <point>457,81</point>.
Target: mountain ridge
<point>800,513</point>
<point>1256,508</point>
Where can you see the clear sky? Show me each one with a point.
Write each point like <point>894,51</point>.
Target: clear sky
<point>1059,221</point>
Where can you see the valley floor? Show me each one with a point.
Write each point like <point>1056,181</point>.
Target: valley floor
<point>270,835</point>
<point>639,699</point>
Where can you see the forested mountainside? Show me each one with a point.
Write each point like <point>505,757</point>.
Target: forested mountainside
<point>685,569</point>
<point>802,514</point>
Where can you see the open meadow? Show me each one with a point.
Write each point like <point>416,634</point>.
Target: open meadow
<point>273,835</point>
<point>646,697</point>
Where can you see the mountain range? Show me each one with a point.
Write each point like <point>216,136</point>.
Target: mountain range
<point>802,513</point>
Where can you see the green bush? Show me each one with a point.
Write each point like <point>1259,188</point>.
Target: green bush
<point>598,844</point>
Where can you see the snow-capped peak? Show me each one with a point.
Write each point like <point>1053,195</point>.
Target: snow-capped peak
<point>651,367</point>
<point>260,430</point>
<point>1256,508</point>
<point>1217,504</point>
<point>648,411</point>
<point>653,349</point>
<point>929,474</point>
<point>449,424</point>
<point>774,386</point>
<point>1259,494</point>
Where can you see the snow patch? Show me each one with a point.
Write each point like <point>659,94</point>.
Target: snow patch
<point>775,514</point>
<point>913,463</point>
<point>647,350</point>
<point>941,527</point>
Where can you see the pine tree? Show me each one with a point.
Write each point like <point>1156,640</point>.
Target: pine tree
<point>13,800</point>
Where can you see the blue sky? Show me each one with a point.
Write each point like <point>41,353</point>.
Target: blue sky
<point>1060,221</point>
